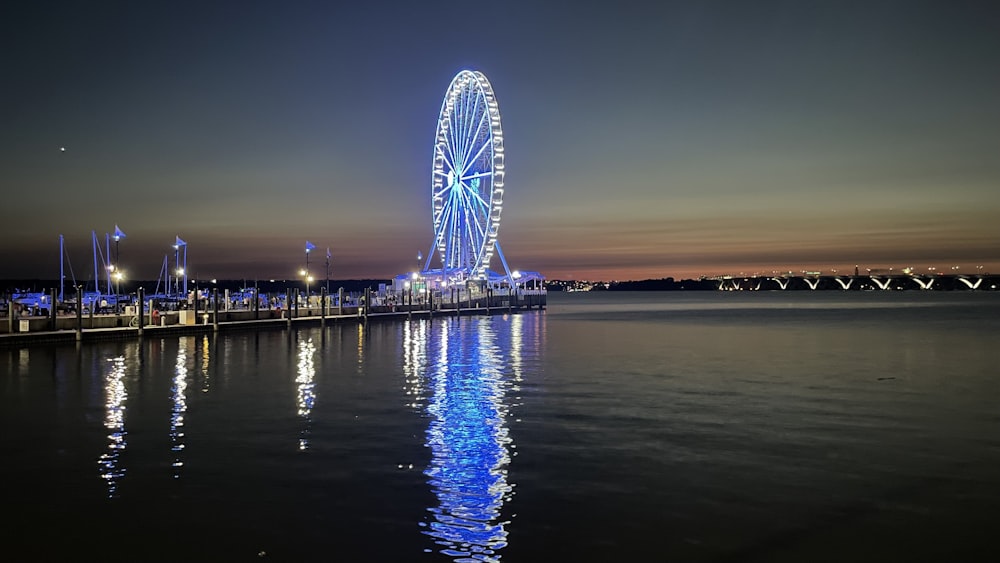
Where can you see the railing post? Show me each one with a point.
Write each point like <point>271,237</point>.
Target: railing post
<point>140,316</point>
<point>10,312</point>
<point>53,308</point>
<point>322,306</point>
<point>79,313</point>
<point>215,309</point>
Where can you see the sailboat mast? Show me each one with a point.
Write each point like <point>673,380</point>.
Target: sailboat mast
<point>62,261</point>
<point>97,273</point>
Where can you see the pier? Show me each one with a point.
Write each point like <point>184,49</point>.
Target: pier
<point>36,329</point>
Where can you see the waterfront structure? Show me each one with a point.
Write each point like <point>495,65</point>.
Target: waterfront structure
<point>873,279</point>
<point>467,191</point>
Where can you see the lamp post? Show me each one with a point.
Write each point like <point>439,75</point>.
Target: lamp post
<point>307,278</point>
<point>516,274</point>
<point>305,272</point>
<point>118,236</point>
<point>413,286</point>
<point>182,270</point>
<point>118,286</point>
<point>408,292</point>
<point>328,256</point>
<point>177,269</point>
<point>177,280</point>
<point>115,274</point>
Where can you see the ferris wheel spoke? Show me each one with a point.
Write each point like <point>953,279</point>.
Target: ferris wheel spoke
<point>474,138</point>
<point>441,193</point>
<point>450,138</point>
<point>468,163</point>
<point>444,154</point>
<point>446,241</point>
<point>451,167</point>
<point>469,105</point>
<point>469,210</point>
<point>478,234</point>
<point>443,223</point>
<point>449,205</point>
<point>476,197</point>
<point>459,114</point>
<point>471,132</point>
<point>470,111</point>
<point>451,157</point>
<point>477,175</point>
<point>456,235</point>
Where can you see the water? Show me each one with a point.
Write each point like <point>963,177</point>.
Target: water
<point>785,426</point>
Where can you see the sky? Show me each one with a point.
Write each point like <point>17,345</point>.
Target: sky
<point>643,139</point>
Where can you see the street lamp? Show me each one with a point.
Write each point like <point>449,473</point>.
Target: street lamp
<point>111,275</point>
<point>118,285</point>
<point>328,256</point>
<point>305,278</point>
<point>118,236</point>
<point>177,268</point>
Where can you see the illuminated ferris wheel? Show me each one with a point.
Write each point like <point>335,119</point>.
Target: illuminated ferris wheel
<point>467,180</point>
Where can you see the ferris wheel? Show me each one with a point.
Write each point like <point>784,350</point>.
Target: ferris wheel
<point>467,179</point>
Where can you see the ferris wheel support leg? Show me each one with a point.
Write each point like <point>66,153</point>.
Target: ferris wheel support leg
<point>430,256</point>
<point>503,260</point>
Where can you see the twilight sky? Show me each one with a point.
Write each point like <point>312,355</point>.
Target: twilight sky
<point>643,139</point>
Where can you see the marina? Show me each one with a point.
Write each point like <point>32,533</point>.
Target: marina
<point>220,313</point>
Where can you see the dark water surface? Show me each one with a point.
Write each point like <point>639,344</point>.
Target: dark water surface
<point>785,426</point>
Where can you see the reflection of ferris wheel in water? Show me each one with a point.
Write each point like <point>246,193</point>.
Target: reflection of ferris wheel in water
<point>467,180</point>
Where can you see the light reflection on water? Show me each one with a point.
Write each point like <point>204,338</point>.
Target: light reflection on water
<point>114,421</point>
<point>179,395</point>
<point>306,388</point>
<point>464,379</point>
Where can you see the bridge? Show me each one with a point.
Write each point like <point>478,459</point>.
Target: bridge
<point>873,281</point>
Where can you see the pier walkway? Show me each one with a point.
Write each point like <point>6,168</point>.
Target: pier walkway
<point>37,330</point>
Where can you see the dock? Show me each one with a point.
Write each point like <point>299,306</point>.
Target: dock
<point>33,330</point>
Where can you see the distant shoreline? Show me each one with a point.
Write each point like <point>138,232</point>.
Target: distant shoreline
<point>897,281</point>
